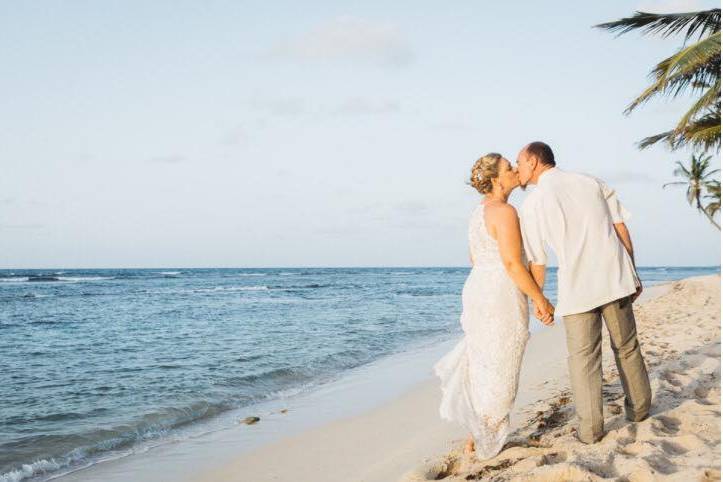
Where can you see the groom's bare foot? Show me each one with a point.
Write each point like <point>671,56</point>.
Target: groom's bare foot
<point>469,446</point>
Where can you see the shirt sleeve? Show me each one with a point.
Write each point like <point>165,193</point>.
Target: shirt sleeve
<point>532,239</point>
<point>617,211</point>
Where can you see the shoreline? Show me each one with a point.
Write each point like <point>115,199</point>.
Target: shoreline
<point>352,449</point>
<point>360,390</point>
<point>318,440</point>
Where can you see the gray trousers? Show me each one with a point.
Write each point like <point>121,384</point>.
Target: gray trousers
<point>584,346</point>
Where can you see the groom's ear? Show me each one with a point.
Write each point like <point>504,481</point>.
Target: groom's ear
<point>534,162</point>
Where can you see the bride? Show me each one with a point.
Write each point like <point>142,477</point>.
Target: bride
<point>480,375</point>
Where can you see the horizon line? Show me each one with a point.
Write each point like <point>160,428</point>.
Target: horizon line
<point>323,267</point>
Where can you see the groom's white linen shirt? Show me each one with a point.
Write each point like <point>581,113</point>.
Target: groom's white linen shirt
<point>574,214</point>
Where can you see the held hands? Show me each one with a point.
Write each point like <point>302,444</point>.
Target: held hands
<point>544,311</point>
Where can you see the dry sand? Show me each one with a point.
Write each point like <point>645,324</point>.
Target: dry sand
<point>680,441</point>
<point>679,327</point>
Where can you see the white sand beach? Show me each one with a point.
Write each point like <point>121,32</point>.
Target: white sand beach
<point>404,439</point>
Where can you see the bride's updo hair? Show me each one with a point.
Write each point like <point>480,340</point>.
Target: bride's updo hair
<point>484,170</point>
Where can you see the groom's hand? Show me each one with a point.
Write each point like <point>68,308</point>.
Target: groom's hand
<point>637,293</point>
<point>545,312</point>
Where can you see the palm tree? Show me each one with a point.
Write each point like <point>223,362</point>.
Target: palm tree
<point>697,177</point>
<point>694,69</point>
<point>713,207</point>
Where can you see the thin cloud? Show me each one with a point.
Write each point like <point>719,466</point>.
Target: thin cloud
<point>341,231</point>
<point>410,213</point>
<point>412,208</point>
<point>283,107</point>
<point>349,39</point>
<point>452,125</point>
<point>234,137</point>
<point>362,106</point>
<point>627,177</point>
<point>172,159</point>
<point>297,107</point>
<point>22,226</point>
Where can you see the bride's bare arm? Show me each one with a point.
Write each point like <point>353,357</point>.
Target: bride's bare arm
<point>509,240</point>
<point>538,274</point>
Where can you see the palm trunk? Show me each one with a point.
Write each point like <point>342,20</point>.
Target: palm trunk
<point>710,218</point>
<point>701,209</point>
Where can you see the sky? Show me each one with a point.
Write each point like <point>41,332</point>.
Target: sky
<point>283,133</point>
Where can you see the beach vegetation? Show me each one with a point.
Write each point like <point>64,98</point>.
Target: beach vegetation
<point>703,191</point>
<point>693,70</point>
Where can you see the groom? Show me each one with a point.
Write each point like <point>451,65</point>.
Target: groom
<point>580,218</point>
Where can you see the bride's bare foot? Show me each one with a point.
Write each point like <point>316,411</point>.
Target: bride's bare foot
<point>469,446</point>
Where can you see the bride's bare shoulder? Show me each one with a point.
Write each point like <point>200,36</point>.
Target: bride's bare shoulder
<point>500,211</point>
<point>500,216</point>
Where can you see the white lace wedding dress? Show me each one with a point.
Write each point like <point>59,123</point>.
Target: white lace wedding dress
<point>480,375</point>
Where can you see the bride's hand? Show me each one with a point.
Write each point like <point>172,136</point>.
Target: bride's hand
<point>544,311</point>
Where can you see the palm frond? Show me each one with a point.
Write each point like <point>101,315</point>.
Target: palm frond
<point>695,81</point>
<point>705,176</point>
<point>682,171</point>
<point>702,133</point>
<point>705,101</point>
<point>704,22</point>
<point>650,140</point>
<point>713,188</point>
<point>691,59</point>
<point>695,64</point>
<point>694,69</point>
<point>713,207</point>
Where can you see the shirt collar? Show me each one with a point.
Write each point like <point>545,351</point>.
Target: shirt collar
<point>546,175</point>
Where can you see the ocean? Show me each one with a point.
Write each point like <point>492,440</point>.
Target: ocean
<point>95,362</point>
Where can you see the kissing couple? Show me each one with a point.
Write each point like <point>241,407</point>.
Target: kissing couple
<point>581,220</point>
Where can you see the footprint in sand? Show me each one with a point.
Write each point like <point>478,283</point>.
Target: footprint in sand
<point>712,351</point>
<point>660,464</point>
<point>553,458</point>
<point>632,434</point>
<point>664,426</point>
<point>603,469</point>
<point>702,395</point>
<point>672,448</point>
<point>670,376</point>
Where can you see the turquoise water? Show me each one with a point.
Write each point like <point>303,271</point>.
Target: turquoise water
<point>93,362</point>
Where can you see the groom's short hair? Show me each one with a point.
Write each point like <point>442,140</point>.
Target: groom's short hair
<point>542,151</point>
